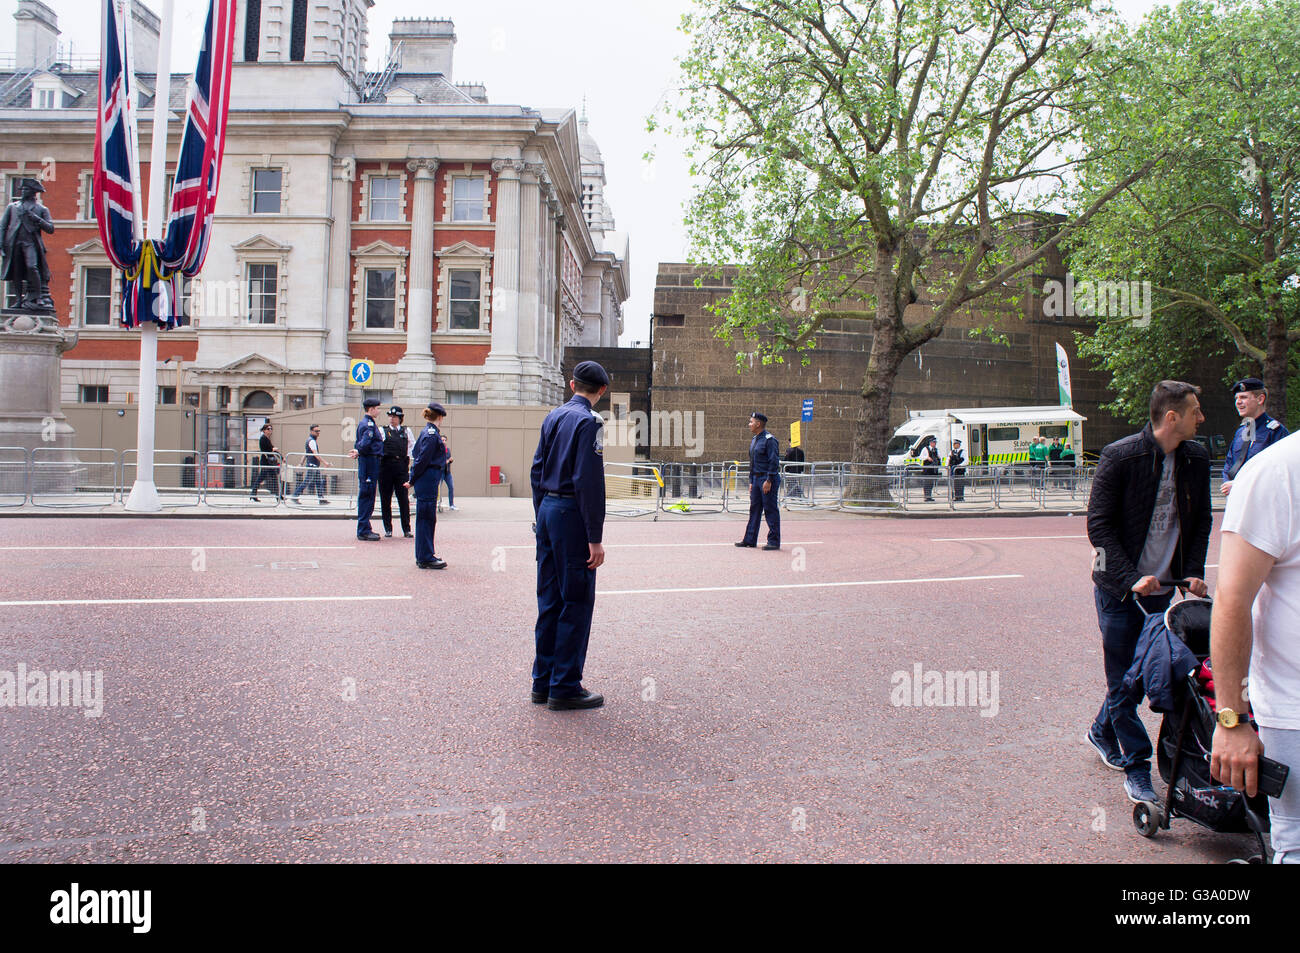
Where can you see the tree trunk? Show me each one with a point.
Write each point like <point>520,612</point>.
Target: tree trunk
<point>871,431</point>
<point>1276,366</point>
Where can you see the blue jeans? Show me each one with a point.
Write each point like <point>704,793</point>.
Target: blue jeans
<point>1283,744</point>
<point>1117,722</point>
<point>312,478</point>
<point>566,596</point>
<point>451,487</point>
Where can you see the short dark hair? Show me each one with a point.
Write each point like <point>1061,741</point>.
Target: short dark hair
<point>312,426</point>
<point>1170,395</point>
<point>582,387</point>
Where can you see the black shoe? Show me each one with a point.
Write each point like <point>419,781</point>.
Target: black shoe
<point>408,534</point>
<point>255,499</point>
<point>772,546</point>
<point>746,545</point>
<point>388,534</point>
<point>585,699</point>
<point>436,563</point>
<point>368,537</point>
<point>323,502</point>
<point>538,698</point>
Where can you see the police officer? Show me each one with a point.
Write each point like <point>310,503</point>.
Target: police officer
<point>929,467</point>
<point>1257,431</point>
<point>957,471</point>
<point>568,482</point>
<point>764,482</point>
<point>394,467</point>
<point>367,451</point>
<point>427,462</point>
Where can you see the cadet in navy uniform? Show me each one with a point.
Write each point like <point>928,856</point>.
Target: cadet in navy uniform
<point>393,471</point>
<point>427,462</point>
<point>368,449</point>
<point>568,479</point>
<point>764,481</point>
<point>1250,397</point>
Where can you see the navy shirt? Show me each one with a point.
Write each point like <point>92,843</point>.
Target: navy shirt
<point>764,457</point>
<point>570,461</point>
<point>1267,432</point>
<point>429,453</point>
<point>370,442</point>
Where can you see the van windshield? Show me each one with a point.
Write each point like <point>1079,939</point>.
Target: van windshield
<point>899,443</point>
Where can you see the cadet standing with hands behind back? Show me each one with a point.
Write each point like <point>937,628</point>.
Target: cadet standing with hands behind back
<point>367,451</point>
<point>568,481</point>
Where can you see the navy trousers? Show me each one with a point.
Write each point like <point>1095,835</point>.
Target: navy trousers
<point>566,595</point>
<point>367,483</point>
<point>1118,721</point>
<point>763,505</point>
<point>426,522</point>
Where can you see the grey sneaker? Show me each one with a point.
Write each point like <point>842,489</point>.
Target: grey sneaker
<point>1110,755</point>
<point>1138,788</point>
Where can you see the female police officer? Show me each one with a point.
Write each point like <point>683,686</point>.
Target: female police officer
<point>428,459</point>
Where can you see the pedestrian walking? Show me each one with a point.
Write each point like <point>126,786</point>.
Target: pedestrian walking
<point>1257,432</point>
<point>268,464</point>
<point>764,483</point>
<point>394,468</point>
<point>568,483</point>
<point>446,478</point>
<point>795,457</point>
<point>312,462</point>
<point>428,459</point>
<point>367,451</point>
<point>1149,523</point>
<point>957,472</point>
<point>1255,635</point>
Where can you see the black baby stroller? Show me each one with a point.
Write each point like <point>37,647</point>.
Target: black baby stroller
<point>1183,747</point>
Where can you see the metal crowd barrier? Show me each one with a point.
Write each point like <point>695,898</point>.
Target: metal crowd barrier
<point>15,462</point>
<point>335,481</point>
<point>176,476</point>
<point>632,489</point>
<point>73,476</point>
<point>694,487</point>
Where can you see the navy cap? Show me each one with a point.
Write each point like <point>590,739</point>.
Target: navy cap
<point>757,416</point>
<point>371,402</point>
<point>1247,383</point>
<point>395,411</point>
<point>591,374</point>
<point>437,408</point>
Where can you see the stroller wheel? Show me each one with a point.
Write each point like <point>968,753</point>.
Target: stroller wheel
<point>1146,818</point>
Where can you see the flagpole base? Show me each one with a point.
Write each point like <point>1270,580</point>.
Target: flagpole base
<point>144,498</point>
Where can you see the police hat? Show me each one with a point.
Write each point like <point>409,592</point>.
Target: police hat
<point>395,411</point>
<point>1247,383</point>
<point>371,402</point>
<point>759,417</point>
<point>437,408</point>
<point>33,184</point>
<point>591,374</point>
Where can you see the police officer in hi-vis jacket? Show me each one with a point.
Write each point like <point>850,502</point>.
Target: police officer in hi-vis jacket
<point>568,482</point>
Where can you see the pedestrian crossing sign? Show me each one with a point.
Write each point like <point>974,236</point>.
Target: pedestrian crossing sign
<point>361,372</point>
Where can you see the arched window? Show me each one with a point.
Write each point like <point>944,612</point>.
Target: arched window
<point>259,400</point>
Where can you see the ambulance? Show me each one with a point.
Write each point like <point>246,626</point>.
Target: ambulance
<point>996,436</point>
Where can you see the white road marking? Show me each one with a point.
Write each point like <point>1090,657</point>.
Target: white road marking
<point>816,542</point>
<point>168,602</point>
<point>805,585</point>
<point>975,539</point>
<point>150,548</point>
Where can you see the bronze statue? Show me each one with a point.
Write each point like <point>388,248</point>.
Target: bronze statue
<point>24,250</point>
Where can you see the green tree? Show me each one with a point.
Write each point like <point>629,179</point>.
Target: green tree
<point>889,162</point>
<point>1213,228</point>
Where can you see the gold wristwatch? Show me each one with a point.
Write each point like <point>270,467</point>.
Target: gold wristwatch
<point>1229,718</point>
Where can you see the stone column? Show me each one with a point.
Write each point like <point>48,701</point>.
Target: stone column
<point>502,369</point>
<point>415,384</point>
<point>554,265</point>
<point>530,284</point>
<point>339,278</point>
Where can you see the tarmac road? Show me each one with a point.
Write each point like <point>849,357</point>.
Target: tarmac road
<point>384,716</point>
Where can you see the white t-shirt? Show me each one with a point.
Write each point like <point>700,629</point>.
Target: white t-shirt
<point>1264,510</point>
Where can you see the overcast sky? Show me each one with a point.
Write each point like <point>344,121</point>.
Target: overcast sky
<point>619,56</point>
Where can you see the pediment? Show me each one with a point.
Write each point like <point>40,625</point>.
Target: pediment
<point>381,247</point>
<point>464,249</point>
<point>253,363</point>
<point>260,243</point>
<point>91,246</point>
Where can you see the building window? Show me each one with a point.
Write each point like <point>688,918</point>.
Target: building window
<point>464,397</point>
<point>266,190</point>
<point>467,199</point>
<point>16,187</point>
<point>465,300</point>
<point>46,98</point>
<point>262,293</point>
<point>94,393</point>
<point>381,298</point>
<point>96,297</point>
<point>192,398</point>
<point>385,397</point>
<point>385,199</point>
<point>297,401</point>
<point>252,30</point>
<point>166,395</point>
<point>298,34</point>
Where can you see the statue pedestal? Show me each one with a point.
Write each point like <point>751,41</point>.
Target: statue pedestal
<point>31,417</point>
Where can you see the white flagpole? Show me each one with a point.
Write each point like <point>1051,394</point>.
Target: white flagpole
<point>144,494</point>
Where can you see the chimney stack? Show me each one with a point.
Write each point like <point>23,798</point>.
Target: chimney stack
<point>427,45</point>
<point>38,34</point>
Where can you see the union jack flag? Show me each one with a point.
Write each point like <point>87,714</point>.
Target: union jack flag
<point>116,196</point>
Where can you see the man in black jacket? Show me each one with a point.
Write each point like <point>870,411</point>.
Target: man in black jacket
<point>1149,523</point>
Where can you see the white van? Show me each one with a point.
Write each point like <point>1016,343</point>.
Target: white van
<point>990,435</point>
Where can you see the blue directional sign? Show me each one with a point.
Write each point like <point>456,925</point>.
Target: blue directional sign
<point>807,410</point>
<point>361,372</point>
